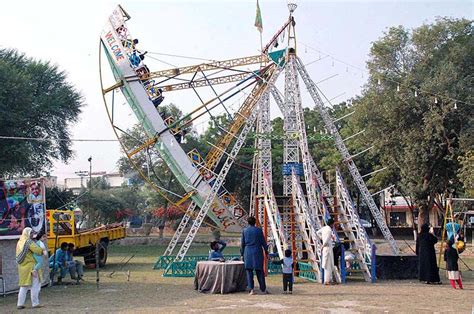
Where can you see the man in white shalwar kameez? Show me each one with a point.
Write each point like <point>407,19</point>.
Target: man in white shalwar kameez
<point>327,238</point>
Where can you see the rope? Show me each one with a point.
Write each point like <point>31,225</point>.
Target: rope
<point>54,139</point>
<point>381,74</point>
<point>180,56</point>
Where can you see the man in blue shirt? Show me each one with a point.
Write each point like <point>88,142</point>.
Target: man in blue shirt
<point>252,248</point>
<point>58,261</point>
<point>76,269</point>
<point>216,254</point>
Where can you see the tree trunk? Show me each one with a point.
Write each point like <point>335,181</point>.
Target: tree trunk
<point>424,207</point>
<point>423,214</point>
<point>147,228</point>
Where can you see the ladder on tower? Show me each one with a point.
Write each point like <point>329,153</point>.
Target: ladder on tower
<point>294,101</point>
<point>331,127</point>
<point>279,236</point>
<point>179,231</point>
<point>360,244</point>
<point>308,227</point>
<point>312,172</point>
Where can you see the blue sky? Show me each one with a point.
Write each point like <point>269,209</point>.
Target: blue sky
<point>67,34</point>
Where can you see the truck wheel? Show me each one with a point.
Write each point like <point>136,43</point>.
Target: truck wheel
<point>102,253</point>
<point>89,258</point>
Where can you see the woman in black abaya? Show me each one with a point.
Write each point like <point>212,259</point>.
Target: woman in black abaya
<point>427,269</point>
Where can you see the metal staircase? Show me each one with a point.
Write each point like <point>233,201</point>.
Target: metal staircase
<point>179,231</point>
<point>307,227</point>
<point>352,228</point>
<point>274,219</point>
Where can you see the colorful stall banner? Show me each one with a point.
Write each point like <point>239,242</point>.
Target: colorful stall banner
<point>22,204</point>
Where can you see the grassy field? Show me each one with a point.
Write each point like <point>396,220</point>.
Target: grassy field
<point>149,292</point>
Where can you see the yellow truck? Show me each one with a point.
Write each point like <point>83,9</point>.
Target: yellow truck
<point>63,226</point>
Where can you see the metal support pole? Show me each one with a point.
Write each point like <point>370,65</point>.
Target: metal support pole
<point>343,265</point>
<point>293,234</point>
<point>265,236</point>
<point>372,268</point>
<point>97,250</point>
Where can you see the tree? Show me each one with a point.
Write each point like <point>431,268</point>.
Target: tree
<point>35,101</point>
<point>466,173</point>
<point>56,198</point>
<point>417,107</point>
<point>153,166</point>
<point>101,207</point>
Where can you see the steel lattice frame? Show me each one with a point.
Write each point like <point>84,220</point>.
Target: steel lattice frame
<point>353,228</point>
<point>310,214</point>
<point>291,154</point>
<point>331,127</point>
<point>225,168</point>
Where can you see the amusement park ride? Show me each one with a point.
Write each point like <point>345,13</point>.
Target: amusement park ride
<point>290,220</point>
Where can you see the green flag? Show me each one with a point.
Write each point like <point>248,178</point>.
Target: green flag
<point>258,19</point>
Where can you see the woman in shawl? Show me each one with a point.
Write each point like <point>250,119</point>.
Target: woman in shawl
<point>28,279</point>
<point>427,269</point>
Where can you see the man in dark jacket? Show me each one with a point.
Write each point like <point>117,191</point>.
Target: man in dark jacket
<point>252,247</point>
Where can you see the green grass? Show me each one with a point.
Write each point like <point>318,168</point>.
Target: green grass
<point>148,291</point>
<point>158,250</point>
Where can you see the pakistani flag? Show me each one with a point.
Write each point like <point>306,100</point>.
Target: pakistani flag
<point>258,19</point>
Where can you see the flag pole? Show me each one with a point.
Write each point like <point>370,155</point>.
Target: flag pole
<point>259,25</point>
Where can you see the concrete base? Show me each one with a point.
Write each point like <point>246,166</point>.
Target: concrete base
<point>397,267</point>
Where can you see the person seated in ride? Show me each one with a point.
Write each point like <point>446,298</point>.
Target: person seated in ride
<point>130,44</point>
<point>76,269</point>
<point>122,32</point>
<point>216,251</point>
<point>158,100</point>
<point>180,136</point>
<point>143,72</point>
<point>57,261</point>
<point>136,58</point>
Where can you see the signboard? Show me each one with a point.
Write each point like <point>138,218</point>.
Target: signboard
<point>22,204</point>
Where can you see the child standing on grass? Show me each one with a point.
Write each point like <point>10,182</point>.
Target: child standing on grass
<point>287,270</point>
<point>451,257</point>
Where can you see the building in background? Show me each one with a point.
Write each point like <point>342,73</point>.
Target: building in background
<point>75,184</point>
<point>51,182</point>
<point>398,213</point>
